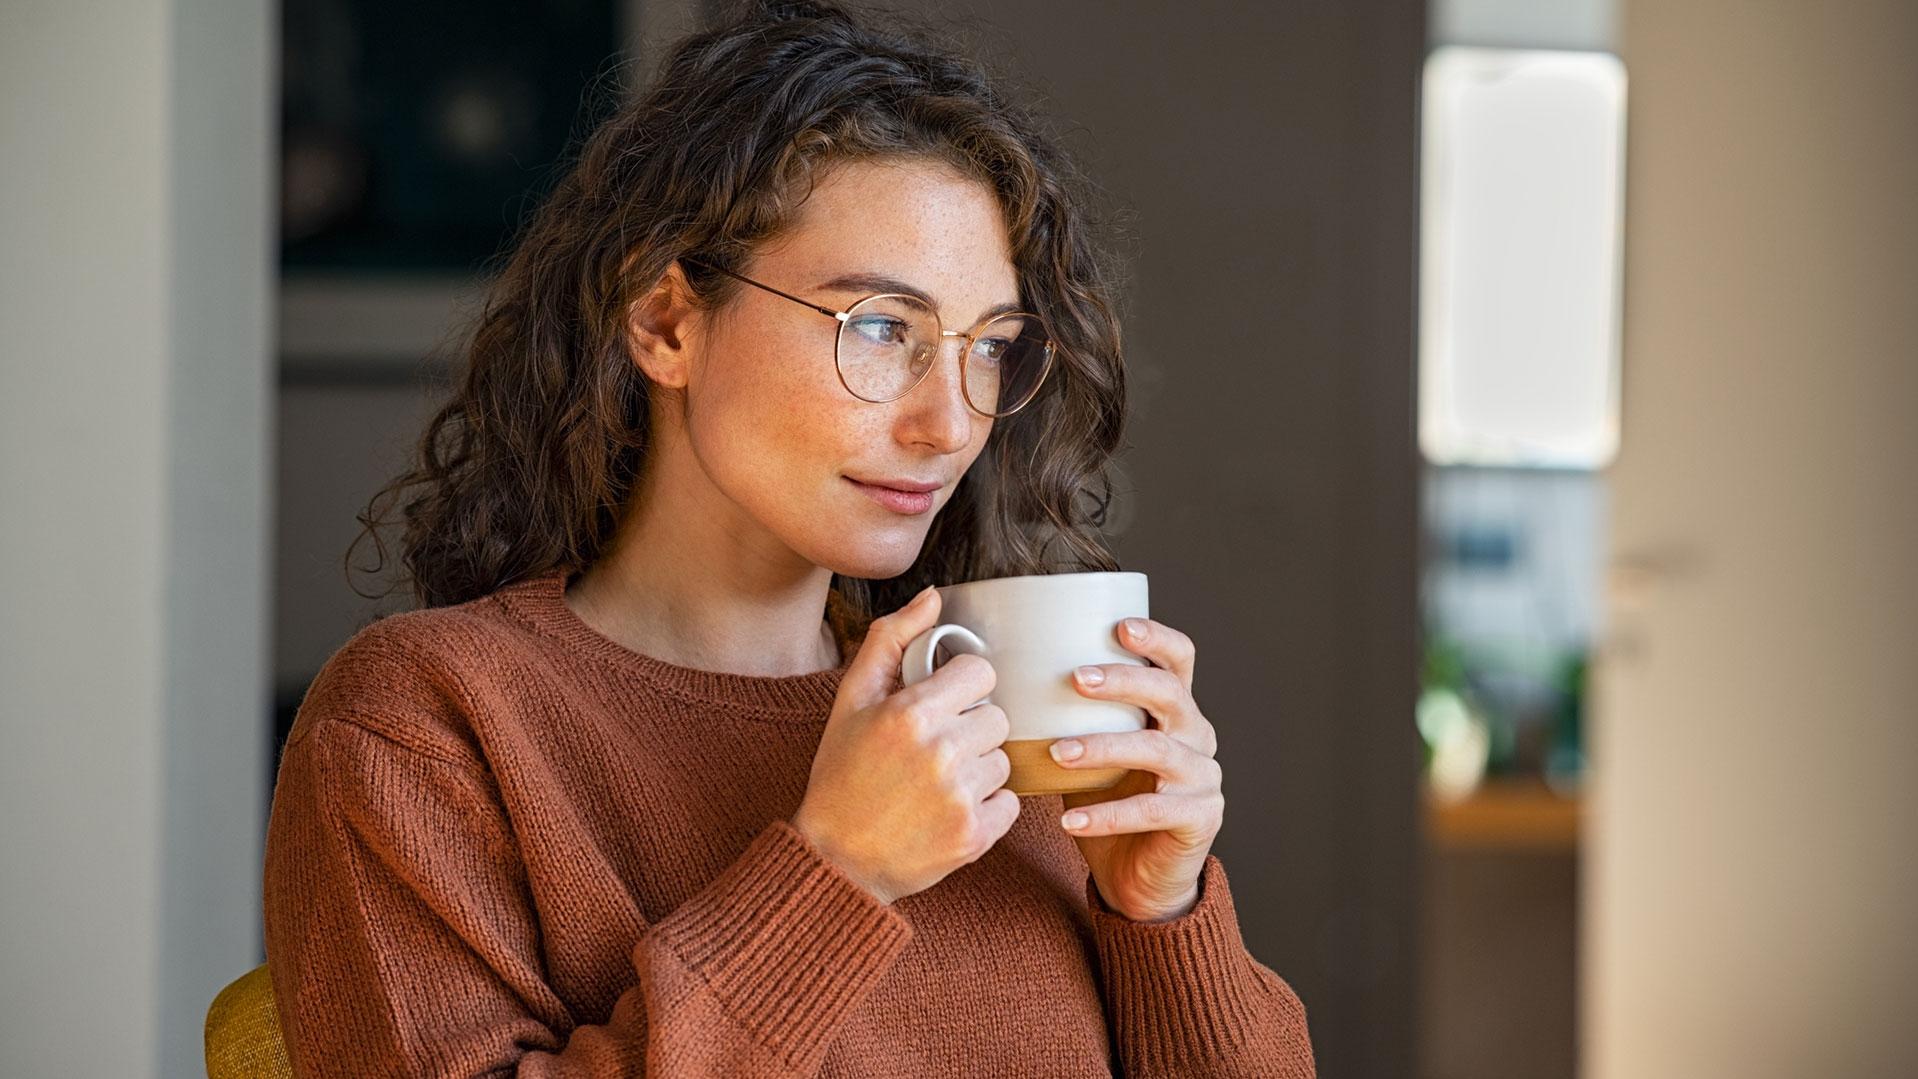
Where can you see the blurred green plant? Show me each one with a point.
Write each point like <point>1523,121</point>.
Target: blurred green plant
<point>1526,706</point>
<point>1565,758</point>
<point>1451,720</point>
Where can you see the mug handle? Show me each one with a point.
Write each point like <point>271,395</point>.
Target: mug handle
<point>921,655</point>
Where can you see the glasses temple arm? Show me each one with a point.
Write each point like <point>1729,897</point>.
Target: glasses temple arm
<point>839,316</point>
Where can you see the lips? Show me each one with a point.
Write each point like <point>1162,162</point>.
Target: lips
<point>894,498</point>
<point>914,486</point>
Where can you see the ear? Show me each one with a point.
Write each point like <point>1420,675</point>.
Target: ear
<point>657,327</point>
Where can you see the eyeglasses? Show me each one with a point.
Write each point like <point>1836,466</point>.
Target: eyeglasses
<point>888,342</point>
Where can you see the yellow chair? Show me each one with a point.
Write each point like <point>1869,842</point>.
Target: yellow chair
<point>243,1031</point>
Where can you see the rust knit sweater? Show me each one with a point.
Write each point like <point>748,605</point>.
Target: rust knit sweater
<point>503,844</point>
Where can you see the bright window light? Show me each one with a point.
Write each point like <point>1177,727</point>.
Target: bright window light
<point>1521,194</point>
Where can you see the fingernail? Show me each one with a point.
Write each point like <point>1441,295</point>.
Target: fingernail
<point>920,599</point>
<point>1074,820</point>
<point>1067,749</point>
<point>1135,629</point>
<point>1091,676</point>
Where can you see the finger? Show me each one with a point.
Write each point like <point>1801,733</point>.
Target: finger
<point>875,669</point>
<point>1160,693</point>
<point>998,813</point>
<point>942,704</point>
<point>1164,646</point>
<point>983,729</point>
<point>1154,751</point>
<point>1156,690</point>
<point>1191,816</point>
<point>986,773</point>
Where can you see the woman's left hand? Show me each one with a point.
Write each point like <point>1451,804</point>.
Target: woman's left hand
<point>1146,839</point>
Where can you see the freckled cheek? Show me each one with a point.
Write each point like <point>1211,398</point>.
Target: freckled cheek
<point>784,421</point>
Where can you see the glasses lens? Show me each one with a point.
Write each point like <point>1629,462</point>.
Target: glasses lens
<point>885,345</point>
<point>1007,363</point>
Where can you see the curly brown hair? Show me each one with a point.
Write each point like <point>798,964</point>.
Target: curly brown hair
<point>524,469</point>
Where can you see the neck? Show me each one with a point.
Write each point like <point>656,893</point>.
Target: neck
<point>690,579</point>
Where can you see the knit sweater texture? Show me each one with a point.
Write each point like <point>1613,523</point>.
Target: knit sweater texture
<point>503,844</point>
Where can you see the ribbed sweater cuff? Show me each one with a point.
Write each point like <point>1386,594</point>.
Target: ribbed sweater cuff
<point>1181,989</point>
<point>787,941</point>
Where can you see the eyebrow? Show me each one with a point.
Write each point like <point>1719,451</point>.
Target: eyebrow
<point>870,283</point>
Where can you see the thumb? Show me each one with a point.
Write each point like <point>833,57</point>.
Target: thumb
<point>872,673</point>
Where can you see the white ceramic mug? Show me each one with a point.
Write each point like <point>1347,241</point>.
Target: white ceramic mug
<point>1036,630</point>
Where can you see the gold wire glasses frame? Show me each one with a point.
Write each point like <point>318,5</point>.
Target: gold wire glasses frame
<point>972,338</point>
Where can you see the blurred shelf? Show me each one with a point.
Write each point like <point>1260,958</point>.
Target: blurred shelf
<point>1505,814</point>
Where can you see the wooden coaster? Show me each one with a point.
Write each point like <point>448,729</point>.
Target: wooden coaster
<point>1035,772</point>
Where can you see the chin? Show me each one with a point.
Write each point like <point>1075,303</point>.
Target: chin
<point>871,567</point>
<point>865,541</point>
<point>882,556</point>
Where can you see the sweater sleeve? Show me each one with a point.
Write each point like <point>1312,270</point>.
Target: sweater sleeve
<point>402,937</point>
<point>1185,998</point>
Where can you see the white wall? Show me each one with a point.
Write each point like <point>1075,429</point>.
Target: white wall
<point>135,253</point>
<point>1752,894</point>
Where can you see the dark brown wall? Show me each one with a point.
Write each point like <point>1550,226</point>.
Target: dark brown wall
<point>1268,153</point>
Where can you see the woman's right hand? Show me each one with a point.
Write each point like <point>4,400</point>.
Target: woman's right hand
<point>906,788</point>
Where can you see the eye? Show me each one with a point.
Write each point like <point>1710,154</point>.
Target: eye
<point>992,348</point>
<point>880,329</point>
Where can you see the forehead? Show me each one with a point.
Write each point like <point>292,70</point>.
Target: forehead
<point>911,222</point>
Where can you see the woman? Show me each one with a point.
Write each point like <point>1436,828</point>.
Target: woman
<point>636,792</point>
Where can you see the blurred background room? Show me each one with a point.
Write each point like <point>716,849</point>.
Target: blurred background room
<point>1522,421</point>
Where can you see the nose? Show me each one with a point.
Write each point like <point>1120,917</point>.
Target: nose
<point>936,413</point>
